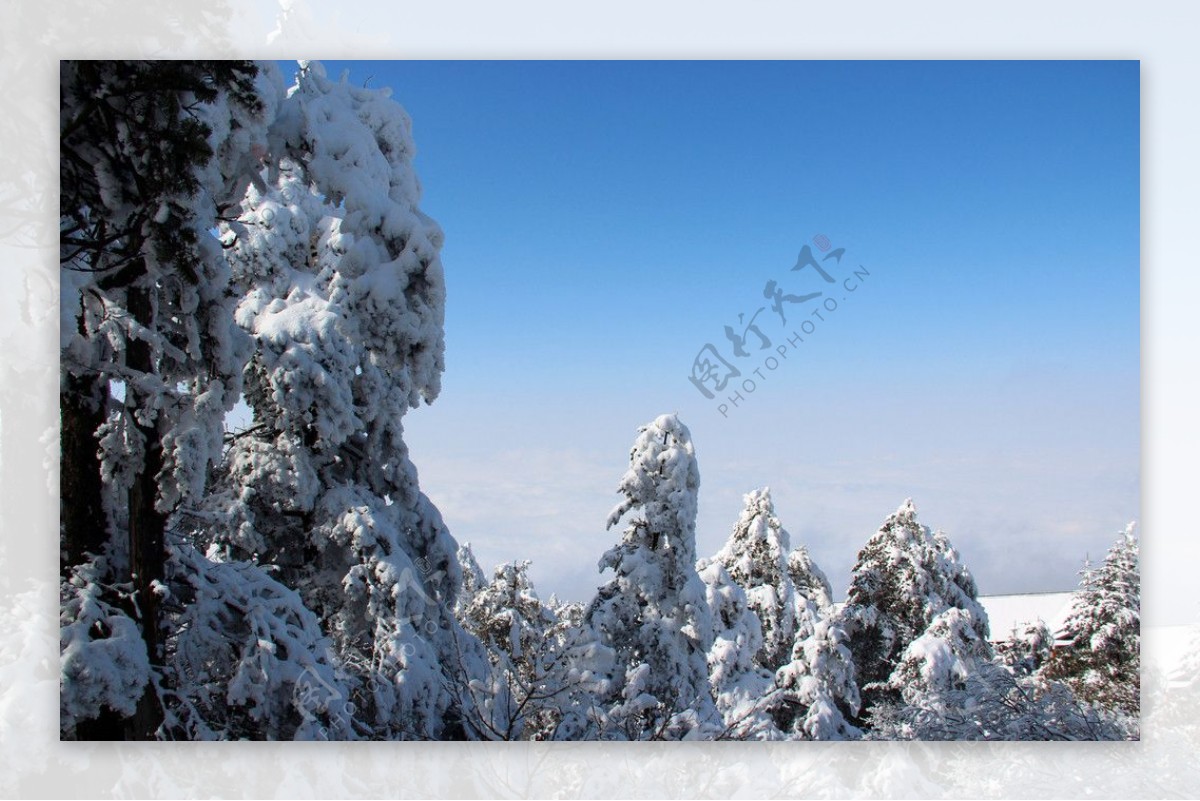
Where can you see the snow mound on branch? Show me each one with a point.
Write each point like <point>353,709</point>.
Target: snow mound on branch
<point>104,659</point>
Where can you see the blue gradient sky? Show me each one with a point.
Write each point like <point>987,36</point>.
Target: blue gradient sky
<point>604,220</point>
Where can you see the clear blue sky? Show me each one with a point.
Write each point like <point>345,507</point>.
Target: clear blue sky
<point>605,220</point>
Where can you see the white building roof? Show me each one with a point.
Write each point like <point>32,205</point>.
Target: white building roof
<point>1008,612</point>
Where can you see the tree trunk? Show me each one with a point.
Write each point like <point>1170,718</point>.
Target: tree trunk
<point>147,526</point>
<point>83,527</point>
<point>82,524</point>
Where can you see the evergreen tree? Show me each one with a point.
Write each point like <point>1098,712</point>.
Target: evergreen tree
<point>248,660</point>
<point>541,683</point>
<point>743,690</point>
<point>817,695</point>
<point>1103,661</point>
<point>905,576</point>
<point>653,612</point>
<point>341,290</point>
<point>756,558</point>
<point>1027,648</point>
<point>991,702</point>
<point>813,597</point>
<point>473,579</point>
<point>940,660</point>
<point>152,154</point>
<point>800,680</point>
<point>951,687</point>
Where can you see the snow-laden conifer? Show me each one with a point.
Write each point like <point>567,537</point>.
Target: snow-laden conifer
<point>1102,661</point>
<point>653,613</point>
<point>906,575</point>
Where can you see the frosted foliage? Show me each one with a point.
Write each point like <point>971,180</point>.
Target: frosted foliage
<point>941,659</point>
<point>905,576</point>
<point>391,613</point>
<point>152,153</point>
<point>509,619</point>
<point>660,487</point>
<point>817,689</point>
<point>653,613</point>
<point>992,703</point>
<point>270,484</point>
<point>951,688</point>
<point>1027,648</point>
<point>813,595</point>
<point>104,662</point>
<point>250,659</point>
<point>741,687</point>
<point>341,290</point>
<point>756,558</point>
<point>195,351</point>
<point>507,613</point>
<point>1103,661</point>
<point>542,663</point>
<point>121,450</point>
<point>473,579</point>
<point>349,296</point>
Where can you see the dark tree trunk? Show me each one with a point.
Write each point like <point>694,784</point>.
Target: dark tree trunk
<point>147,526</point>
<point>82,524</point>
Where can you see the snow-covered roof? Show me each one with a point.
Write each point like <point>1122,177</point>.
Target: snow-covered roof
<point>1007,612</point>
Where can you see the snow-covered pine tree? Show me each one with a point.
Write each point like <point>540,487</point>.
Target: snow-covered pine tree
<point>540,685</point>
<point>653,613</point>
<point>952,687</point>
<point>940,660</point>
<point>815,692</point>
<point>590,668</point>
<point>341,290</point>
<point>992,702</point>
<point>756,558</point>
<point>473,579</point>
<point>743,689</point>
<point>1103,662</point>
<point>809,677</point>
<point>1026,648</point>
<point>905,576</point>
<point>247,659</point>
<point>513,625</point>
<point>812,594</point>
<point>152,153</point>
<point>816,695</point>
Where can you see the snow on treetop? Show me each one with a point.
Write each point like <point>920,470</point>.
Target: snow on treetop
<point>663,480</point>
<point>671,422</point>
